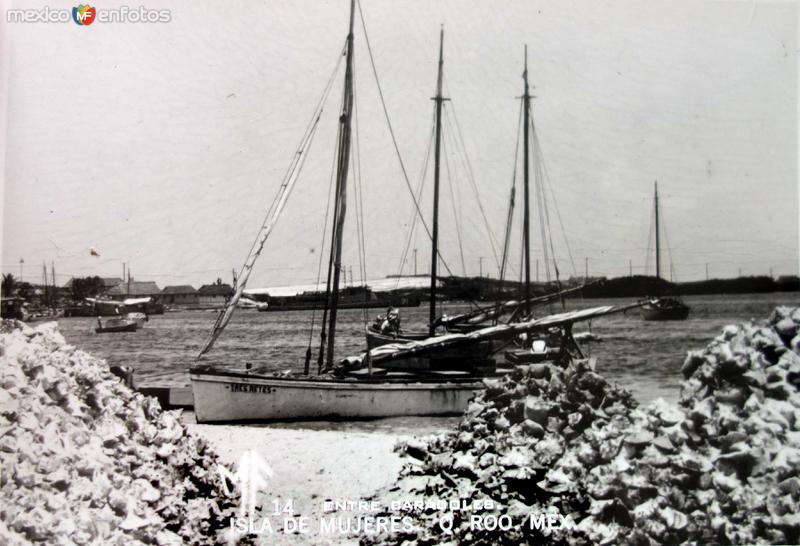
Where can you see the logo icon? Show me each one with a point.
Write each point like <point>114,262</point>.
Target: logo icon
<point>84,14</point>
<point>251,477</point>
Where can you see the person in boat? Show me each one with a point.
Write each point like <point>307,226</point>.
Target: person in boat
<point>390,322</point>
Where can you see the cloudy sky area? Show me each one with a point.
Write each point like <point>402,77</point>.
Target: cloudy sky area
<point>162,145</point>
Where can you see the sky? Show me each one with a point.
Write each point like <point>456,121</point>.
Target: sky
<point>161,145</point>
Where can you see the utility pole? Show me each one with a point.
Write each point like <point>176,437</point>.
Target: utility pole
<point>415,262</point>
<point>586,268</point>
<point>123,271</point>
<point>480,266</point>
<point>21,263</point>
<point>537,269</point>
<point>630,268</point>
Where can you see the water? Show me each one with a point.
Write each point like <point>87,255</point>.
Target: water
<point>644,357</point>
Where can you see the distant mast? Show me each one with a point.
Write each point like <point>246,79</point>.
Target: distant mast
<point>340,206</point>
<point>435,230</point>
<point>526,98</point>
<point>658,245</point>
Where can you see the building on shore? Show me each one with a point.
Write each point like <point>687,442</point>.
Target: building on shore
<point>214,294</point>
<point>135,289</point>
<point>183,294</point>
<point>108,282</point>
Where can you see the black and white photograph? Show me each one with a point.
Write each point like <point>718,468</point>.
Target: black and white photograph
<point>399,272</point>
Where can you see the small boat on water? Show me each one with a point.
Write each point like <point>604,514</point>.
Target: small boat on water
<point>116,325</point>
<point>139,318</point>
<point>664,307</point>
<point>247,303</point>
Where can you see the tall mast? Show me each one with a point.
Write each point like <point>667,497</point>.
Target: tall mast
<point>658,246</point>
<point>526,235</point>
<point>435,231</point>
<point>46,284</point>
<point>343,164</point>
<point>54,293</point>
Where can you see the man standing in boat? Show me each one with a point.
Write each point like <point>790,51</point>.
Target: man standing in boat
<point>390,322</point>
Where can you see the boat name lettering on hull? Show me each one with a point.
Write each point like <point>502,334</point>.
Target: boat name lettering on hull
<point>238,387</point>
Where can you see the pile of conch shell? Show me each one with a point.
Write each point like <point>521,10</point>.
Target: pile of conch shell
<point>720,467</point>
<point>86,460</point>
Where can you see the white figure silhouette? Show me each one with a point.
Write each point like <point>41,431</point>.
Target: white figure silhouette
<point>251,477</point>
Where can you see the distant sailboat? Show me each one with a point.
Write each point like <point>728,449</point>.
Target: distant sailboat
<point>383,333</point>
<point>663,308</point>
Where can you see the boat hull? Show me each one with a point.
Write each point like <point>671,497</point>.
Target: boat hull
<point>672,311</point>
<point>116,329</point>
<point>476,359</point>
<point>220,397</point>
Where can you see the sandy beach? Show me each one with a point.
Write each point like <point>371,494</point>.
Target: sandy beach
<point>311,466</point>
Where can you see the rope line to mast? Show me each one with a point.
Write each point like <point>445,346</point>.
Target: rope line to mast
<point>510,216</point>
<point>456,217</point>
<point>460,145</point>
<point>539,166</point>
<point>540,205</point>
<point>325,221</point>
<point>420,188</point>
<point>299,157</point>
<point>650,241</point>
<point>549,183</point>
<point>282,195</point>
<point>665,231</point>
<point>394,139</point>
<point>359,204</point>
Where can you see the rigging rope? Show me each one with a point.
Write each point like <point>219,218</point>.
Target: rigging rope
<point>273,213</point>
<point>322,244</point>
<point>555,204</point>
<point>456,216</point>
<point>325,221</point>
<point>359,204</point>
<point>460,145</point>
<point>540,204</point>
<point>510,216</point>
<point>420,187</point>
<point>666,239</point>
<point>650,241</point>
<point>537,154</point>
<point>394,139</point>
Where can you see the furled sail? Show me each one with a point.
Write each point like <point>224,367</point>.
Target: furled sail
<point>482,314</point>
<point>503,331</point>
